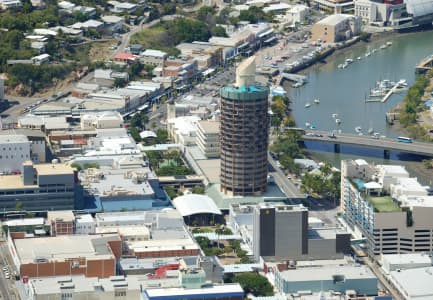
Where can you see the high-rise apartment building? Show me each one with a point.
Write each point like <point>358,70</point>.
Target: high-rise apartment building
<point>244,133</point>
<point>391,210</point>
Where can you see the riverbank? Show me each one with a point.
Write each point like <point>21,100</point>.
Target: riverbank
<point>342,92</point>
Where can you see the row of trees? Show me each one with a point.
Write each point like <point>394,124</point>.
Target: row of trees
<point>287,149</point>
<point>280,109</point>
<point>412,105</point>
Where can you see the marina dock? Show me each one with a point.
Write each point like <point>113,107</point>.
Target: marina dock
<point>425,65</point>
<point>390,92</point>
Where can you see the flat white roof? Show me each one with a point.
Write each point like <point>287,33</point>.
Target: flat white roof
<point>326,273</point>
<point>13,139</point>
<point>24,222</point>
<point>153,53</point>
<point>407,258</point>
<point>216,289</point>
<point>64,247</point>
<point>414,283</point>
<point>334,19</point>
<point>192,204</point>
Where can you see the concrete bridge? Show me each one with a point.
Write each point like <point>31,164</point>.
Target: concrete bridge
<point>386,144</point>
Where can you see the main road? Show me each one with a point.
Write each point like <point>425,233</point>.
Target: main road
<point>285,184</point>
<point>388,144</point>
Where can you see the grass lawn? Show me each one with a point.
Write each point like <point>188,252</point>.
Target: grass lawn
<point>384,204</point>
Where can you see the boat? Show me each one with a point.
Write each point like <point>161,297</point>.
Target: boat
<point>402,83</point>
<point>358,58</point>
<point>388,43</point>
<point>383,46</point>
<point>337,121</point>
<point>358,129</point>
<point>374,50</point>
<point>307,124</point>
<point>370,130</point>
<point>367,54</point>
<point>349,60</point>
<point>340,66</point>
<point>297,84</point>
<point>377,92</point>
<point>334,115</point>
<point>312,127</point>
<point>307,105</point>
<point>317,101</point>
<point>344,66</point>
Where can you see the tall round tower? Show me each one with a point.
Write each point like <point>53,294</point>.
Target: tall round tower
<point>244,133</point>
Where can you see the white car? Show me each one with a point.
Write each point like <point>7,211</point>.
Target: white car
<point>5,269</point>
<point>7,277</point>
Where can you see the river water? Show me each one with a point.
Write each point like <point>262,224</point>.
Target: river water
<point>343,92</point>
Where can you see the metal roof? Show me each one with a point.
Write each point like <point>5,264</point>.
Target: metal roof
<point>192,204</point>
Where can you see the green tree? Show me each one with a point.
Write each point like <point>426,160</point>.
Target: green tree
<point>255,284</point>
<point>76,166</point>
<point>170,192</point>
<point>198,190</point>
<point>219,31</point>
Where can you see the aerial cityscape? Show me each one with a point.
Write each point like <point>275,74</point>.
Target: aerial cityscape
<point>216,149</point>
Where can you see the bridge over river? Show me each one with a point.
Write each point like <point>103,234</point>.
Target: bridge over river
<point>386,144</point>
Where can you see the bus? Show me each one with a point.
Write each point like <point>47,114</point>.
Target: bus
<point>403,139</point>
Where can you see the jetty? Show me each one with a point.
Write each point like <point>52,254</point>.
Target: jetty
<point>425,65</point>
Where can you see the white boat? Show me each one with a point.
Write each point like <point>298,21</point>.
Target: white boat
<point>374,50</point>
<point>312,127</point>
<point>340,66</point>
<point>317,101</point>
<point>383,47</point>
<point>402,83</point>
<point>297,84</point>
<point>344,66</point>
<point>358,58</point>
<point>337,121</point>
<point>349,60</point>
<point>358,129</point>
<point>388,43</point>
<point>377,92</point>
<point>334,115</point>
<point>367,54</point>
<point>307,124</point>
<point>370,130</point>
<point>307,105</point>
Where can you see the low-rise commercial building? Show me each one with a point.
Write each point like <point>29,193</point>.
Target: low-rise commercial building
<point>101,120</point>
<point>335,277</point>
<point>217,292</point>
<point>153,57</point>
<point>61,222</point>
<point>81,287</point>
<point>336,28</point>
<point>88,255</point>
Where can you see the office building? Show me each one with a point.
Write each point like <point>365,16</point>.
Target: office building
<point>61,222</point>
<point>282,232</point>
<point>208,139</point>
<point>336,28</point>
<point>392,211</point>
<point>244,133</point>
<point>15,149</point>
<point>40,187</point>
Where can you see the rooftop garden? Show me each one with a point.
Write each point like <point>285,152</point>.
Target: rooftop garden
<point>384,204</point>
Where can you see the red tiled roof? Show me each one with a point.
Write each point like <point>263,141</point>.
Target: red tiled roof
<point>125,56</point>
